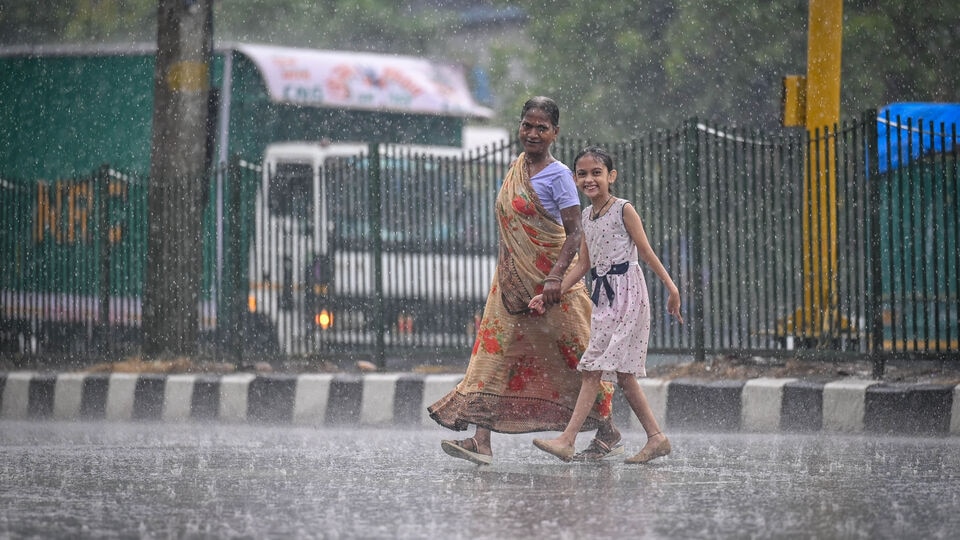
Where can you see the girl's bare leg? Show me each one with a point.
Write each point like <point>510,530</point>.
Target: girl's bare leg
<point>589,386</point>
<point>657,443</point>
<point>638,402</point>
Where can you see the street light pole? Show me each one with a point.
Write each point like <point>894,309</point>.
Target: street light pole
<point>813,102</point>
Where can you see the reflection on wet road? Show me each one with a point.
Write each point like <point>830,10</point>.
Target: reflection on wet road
<point>195,480</point>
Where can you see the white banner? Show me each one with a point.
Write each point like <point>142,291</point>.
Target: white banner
<point>352,80</point>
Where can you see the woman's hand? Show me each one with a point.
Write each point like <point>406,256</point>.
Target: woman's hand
<point>552,291</point>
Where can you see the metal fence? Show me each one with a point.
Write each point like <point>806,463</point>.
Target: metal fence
<point>375,256</point>
<point>782,244</point>
<point>73,255</point>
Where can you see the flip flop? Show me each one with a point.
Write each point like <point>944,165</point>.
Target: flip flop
<point>598,450</point>
<point>455,449</point>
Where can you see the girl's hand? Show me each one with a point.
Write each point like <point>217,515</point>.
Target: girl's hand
<point>673,305</point>
<point>536,304</point>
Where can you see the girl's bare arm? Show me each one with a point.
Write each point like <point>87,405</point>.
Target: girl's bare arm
<point>634,226</point>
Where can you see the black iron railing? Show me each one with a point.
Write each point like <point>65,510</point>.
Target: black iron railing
<point>782,244</point>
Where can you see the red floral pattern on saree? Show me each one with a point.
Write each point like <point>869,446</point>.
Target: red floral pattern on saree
<point>544,264</point>
<point>489,337</point>
<point>604,402</point>
<point>521,374</point>
<point>524,205</point>
<point>571,347</point>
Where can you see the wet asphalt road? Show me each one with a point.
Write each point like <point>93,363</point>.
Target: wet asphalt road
<point>129,480</point>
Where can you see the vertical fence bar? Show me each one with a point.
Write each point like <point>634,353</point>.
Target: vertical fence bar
<point>952,179</point>
<point>937,219</point>
<point>102,189</point>
<point>753,234</point>
<point>951,175</point>
<point>764,237</point>
<point>874,303</point>
<point>712,239</point>
<point>723,268</point>
<point>918,265</point>
<point>830,309</point>
<point>909,248</point>
<point>841,281</point>
<point>234,309</point>
<point>712,191</point>
<point>889,203</point>
<point>375,181</point>
<point>693,183</point>
<point>861,188</point>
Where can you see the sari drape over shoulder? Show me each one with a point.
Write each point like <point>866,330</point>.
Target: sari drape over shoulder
<point>522,376</point>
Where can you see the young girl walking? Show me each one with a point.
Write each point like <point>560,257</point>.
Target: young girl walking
<point>620,322</point>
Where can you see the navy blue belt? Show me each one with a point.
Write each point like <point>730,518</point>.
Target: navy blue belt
<point>602,280</point>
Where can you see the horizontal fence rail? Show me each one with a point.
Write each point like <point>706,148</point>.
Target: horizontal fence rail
<point>839,241</point>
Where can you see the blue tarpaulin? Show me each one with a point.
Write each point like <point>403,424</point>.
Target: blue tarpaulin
<point>915,129</point>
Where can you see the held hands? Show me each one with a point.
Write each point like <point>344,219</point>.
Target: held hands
<point>673,305</point>
<point>552,291</point>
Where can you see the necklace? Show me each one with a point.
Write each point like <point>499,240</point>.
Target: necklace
<point>530,166</point>
<point>594,214</point>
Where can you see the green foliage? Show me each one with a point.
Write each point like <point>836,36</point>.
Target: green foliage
<point>618,68</point>
<point>77,21</point>
<point>900,51</point>
<point>375,25</point>
<point>332,24</point>
<point>624,67</point>
<point>639,66</point>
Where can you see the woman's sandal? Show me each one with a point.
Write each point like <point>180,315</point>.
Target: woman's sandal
<point>598,450</point>
<point>457,450</point>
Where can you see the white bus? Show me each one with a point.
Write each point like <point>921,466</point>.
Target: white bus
<point>312,263</point>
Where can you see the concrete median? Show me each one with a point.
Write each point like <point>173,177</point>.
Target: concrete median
<point>756,405</point>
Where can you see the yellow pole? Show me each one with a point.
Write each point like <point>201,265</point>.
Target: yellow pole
<point>824,41</point>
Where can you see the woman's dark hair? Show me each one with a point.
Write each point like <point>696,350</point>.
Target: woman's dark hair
<point>598,153</point>
<point>544,104</point>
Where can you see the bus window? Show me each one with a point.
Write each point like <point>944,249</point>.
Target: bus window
<point>290,192</point>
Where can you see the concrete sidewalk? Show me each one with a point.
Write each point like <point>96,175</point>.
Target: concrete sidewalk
<point>756,405</point>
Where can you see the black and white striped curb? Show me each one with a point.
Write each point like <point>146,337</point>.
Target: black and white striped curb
<point>755,405</point>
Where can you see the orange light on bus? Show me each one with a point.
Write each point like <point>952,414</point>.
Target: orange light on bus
<point>324,319</point>
<point>252,304</point>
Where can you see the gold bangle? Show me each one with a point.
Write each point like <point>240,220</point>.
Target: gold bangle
<point>552,278</point>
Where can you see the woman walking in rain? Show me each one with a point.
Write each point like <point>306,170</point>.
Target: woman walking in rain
<point>522,373</point>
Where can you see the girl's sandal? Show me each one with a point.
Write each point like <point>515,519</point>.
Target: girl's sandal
<point>651,451</point>
<point>598,450</point>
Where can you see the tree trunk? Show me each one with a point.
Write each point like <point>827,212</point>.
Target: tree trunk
<point>178,177</point>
